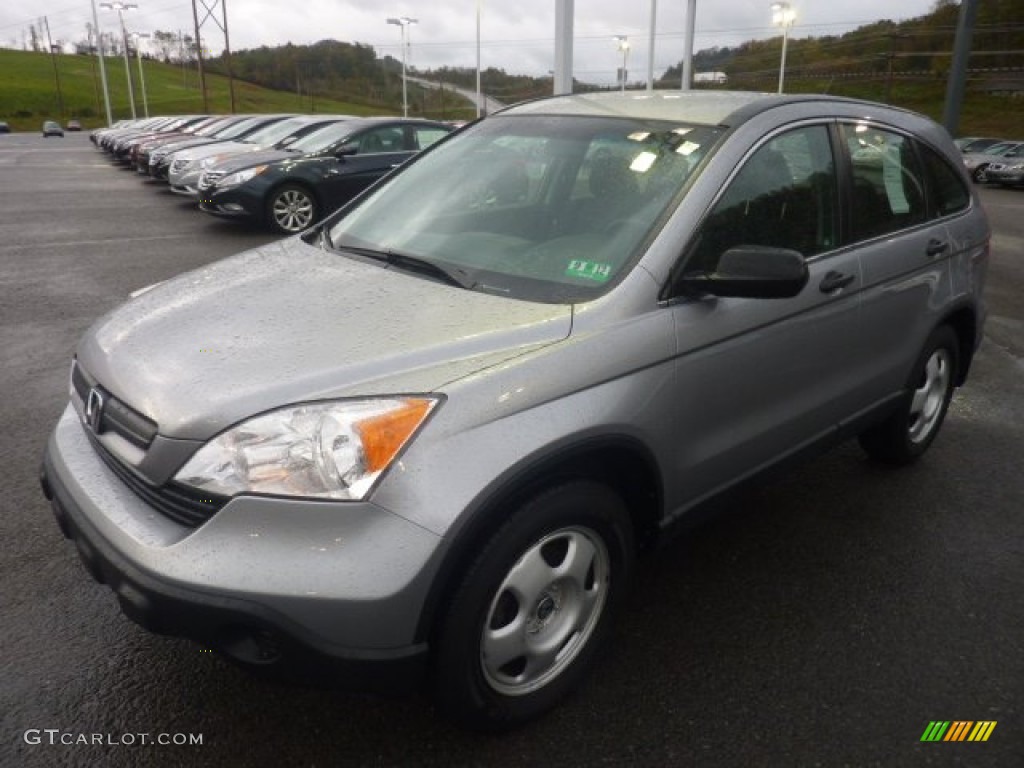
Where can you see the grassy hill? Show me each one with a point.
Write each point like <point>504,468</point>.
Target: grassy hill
<point>28,93</point>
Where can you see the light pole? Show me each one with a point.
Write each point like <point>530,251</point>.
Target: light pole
<point>403,22</point>
<point>103,66</point>
<point>783,16</point>
<point>623,42</point>
<point>650,45</point>
<point>142,76</point>
<point>120,7</point>
<point>479,95</point>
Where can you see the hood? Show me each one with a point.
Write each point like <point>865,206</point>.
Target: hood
<point>291,322</point>
<point>232,147</point>
<point>248,159</point>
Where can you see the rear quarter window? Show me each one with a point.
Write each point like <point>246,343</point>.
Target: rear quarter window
<point>947,191</point>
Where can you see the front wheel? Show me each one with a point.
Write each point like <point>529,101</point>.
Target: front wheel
<point>291,209</point>
<point>533,610</point>
<point>907,433</point>
<point>980,174</point>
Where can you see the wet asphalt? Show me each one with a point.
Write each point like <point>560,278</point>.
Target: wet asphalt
<point>824,618</point>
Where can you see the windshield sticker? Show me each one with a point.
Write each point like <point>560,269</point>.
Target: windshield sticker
<point>589,270</point>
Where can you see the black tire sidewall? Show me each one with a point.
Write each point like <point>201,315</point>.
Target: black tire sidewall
<point>459,682</point>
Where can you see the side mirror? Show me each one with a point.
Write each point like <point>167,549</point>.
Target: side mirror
<point>752,272</point>
<point>346,150</point>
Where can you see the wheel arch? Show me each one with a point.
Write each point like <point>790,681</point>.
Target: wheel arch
<point>620,462</point>
<point>964,322</point>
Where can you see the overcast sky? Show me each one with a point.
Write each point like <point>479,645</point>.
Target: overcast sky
<point>516,35</point>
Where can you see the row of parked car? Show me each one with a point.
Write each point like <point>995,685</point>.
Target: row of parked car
<point>283,171</point>
<point>993,161</point>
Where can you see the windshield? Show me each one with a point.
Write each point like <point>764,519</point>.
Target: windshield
<point>273,133</point>
<point>214,126</point>
<point>999,149</point>
<point>321,138</point>
<point>241,128</point>
<point>550,209</point>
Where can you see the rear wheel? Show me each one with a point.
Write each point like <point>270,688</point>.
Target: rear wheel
<point>907,433</point>
<point>533,610</point>
<point>291,209</point>
<point>980,174</point>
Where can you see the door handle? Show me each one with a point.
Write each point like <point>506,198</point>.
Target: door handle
<point>936,247</point>
<point>833,281</point>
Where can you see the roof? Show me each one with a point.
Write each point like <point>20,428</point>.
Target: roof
<point>702,107</point>
<point>696,107</point>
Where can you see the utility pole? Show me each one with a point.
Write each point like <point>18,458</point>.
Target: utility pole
<point>564,12</point>
<point>199,58</point>
<point>227,56</point>
<point>958,73</point>
<point>650,45</point>
<point>211,6</point>
<point>103,66</point>
<point>686,70</point>
<point>56,70</point>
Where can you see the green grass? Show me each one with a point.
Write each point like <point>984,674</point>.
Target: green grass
<point>28,93</point>
<point>981,114</point>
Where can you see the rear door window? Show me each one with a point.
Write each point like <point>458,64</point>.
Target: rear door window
<point>887,181</point>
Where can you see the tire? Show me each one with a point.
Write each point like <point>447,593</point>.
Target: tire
<point>291,208</point>
<point>905,435</point>
<point>980,174</point>
<point>533,610</point>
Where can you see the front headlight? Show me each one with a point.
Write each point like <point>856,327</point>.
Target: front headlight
<point>334,450</point>
<point>240,177</point>
<point>212,160</point>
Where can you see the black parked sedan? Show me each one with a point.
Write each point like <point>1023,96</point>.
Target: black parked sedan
<point>324,170</point>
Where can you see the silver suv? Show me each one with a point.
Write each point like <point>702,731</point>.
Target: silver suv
<point>424,441</point>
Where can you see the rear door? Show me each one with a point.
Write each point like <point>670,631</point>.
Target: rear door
<point>905,254</point>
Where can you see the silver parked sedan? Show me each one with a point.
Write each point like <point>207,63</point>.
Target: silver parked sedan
<point>978,163</point>
<point>424,441</point>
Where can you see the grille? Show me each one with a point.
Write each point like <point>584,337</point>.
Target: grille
<point>117,417</point>
<point>181,504</point>
<point>209,178</point>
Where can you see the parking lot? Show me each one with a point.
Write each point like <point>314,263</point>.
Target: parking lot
<point>822,619</point>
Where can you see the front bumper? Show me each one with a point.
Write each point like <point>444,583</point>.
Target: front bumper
<point>1005,176</point>
<point>236,202</point>
<point>306,590</point>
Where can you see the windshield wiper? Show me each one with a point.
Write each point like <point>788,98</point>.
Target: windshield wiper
<point>452,276</point>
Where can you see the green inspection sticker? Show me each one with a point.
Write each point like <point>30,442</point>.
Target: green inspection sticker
<point>589,270</point>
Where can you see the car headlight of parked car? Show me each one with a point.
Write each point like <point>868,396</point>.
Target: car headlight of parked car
<point>212,160</point>
<point>333,450</point>
<point>240,177</point>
